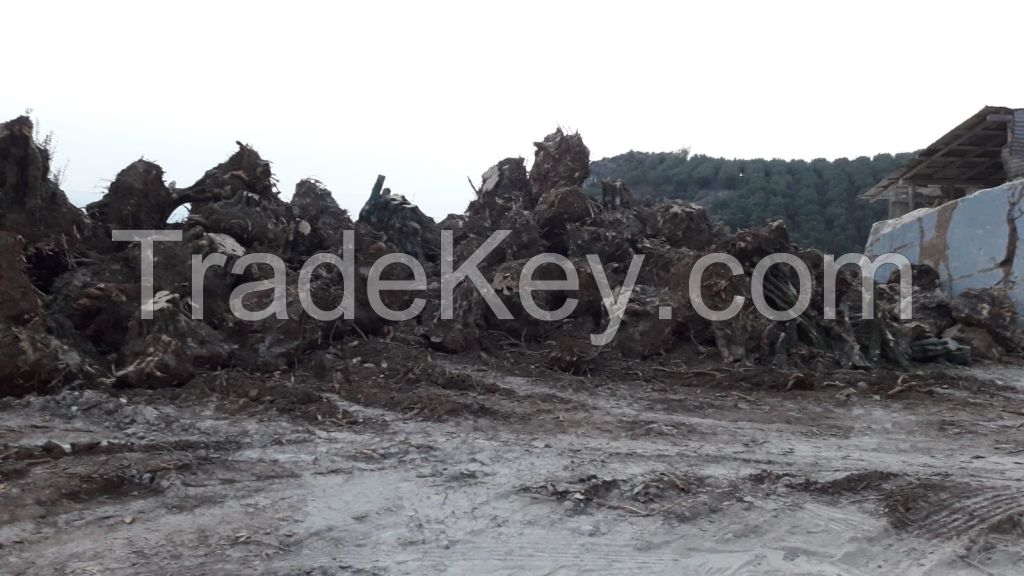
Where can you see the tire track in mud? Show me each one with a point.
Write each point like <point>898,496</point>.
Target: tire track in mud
<point>966,518</point>
<point>563,557</point>
<point>936,514</point>
<point>836,518</point>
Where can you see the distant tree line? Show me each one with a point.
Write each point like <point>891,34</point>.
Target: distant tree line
<point>818,200</point>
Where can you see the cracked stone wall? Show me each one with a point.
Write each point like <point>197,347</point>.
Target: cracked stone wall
<point>973,242</point>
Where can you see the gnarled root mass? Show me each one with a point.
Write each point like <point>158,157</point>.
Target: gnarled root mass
<point>70,309</point>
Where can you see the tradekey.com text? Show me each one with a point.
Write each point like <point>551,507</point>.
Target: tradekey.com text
<point>614,299</point>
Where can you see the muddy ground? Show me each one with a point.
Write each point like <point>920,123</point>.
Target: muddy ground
<point>501,466</point>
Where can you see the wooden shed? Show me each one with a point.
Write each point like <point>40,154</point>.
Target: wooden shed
<point>984,151</point>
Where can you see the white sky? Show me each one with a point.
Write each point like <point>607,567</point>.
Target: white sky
<point>430,92</point>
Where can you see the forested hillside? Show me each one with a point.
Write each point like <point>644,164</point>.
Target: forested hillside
<point>818,199</point>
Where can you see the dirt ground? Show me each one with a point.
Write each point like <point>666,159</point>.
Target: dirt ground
<point>501,466</point>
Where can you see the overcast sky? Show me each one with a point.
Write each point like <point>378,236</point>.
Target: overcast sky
<point>428,93</point>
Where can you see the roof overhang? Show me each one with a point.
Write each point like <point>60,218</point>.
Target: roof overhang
<point>969,156</point>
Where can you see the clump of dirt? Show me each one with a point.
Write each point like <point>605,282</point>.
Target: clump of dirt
<point>652,494</point>
<point>432,374</point>
<point>416,397</point>
<point>581,493</point>
<point>938,509</point>
<point>115,485</point>
<point>400,378</point>
<point>572,356</point>
<point>843,384</point>
<point>872,481</point>
<point>27,495</point>
<point>661,486</point>
<point>908,506</point>
<point>1011,525</point>
<point>770,477</point>
<point>240,392</point>
<point>865,481</point>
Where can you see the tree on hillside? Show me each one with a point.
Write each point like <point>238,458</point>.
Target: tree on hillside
<point>818,200</point>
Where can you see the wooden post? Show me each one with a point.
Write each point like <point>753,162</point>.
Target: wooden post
<point>377,187</point>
